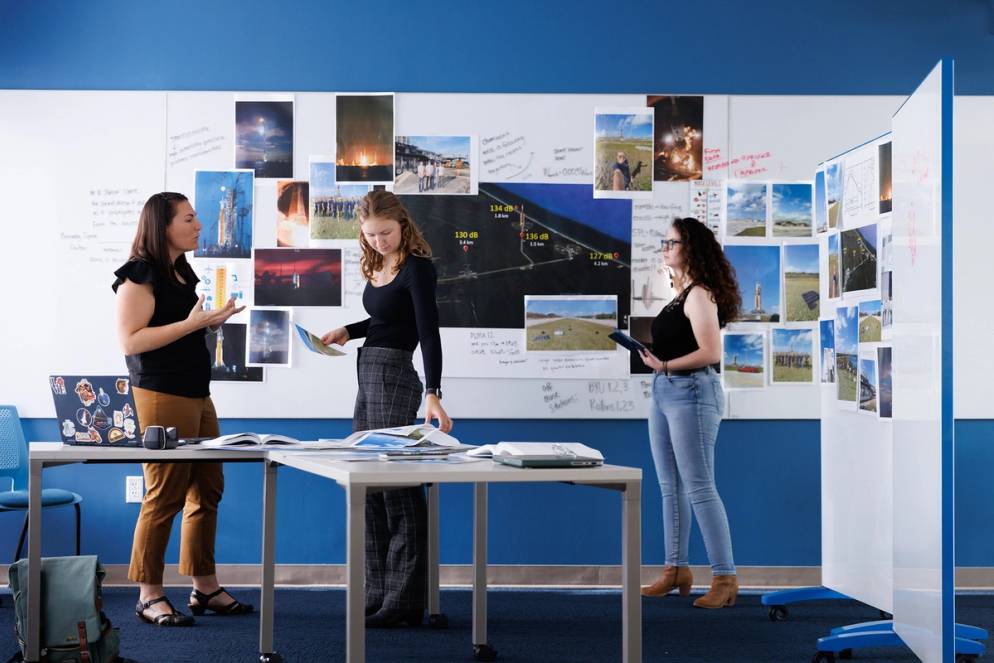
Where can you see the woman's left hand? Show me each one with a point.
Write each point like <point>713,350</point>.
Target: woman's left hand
<point>651,361</point>
<point>434,410</point>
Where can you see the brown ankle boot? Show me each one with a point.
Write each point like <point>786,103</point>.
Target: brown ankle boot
<point>673,577</point>
<point>723,591</point>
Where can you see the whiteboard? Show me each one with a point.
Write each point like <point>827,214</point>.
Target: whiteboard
<point>69,143</point>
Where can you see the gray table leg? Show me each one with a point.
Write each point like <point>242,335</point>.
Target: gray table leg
<point>631,602</point>
<point>482,651</point>
<point>433,580</point>
<point>355,601</point>
<point>266,607</point>
<point>34,560</point>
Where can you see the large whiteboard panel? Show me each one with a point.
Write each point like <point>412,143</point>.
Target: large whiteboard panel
<point>922,411</point>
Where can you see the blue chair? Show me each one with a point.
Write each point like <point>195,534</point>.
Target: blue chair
<point>14,464</point>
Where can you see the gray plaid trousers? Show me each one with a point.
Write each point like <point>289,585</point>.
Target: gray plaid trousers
<point>396,520</point>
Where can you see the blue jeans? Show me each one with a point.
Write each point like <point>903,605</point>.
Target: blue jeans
<point>683,426</point>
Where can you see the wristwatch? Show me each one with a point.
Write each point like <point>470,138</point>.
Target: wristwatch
<point>435,391</point>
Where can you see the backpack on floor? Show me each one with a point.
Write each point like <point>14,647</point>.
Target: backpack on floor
<point>74,628</point>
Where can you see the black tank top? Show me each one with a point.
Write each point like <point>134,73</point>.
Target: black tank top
<point>183,367</point>
<point>672,335</point>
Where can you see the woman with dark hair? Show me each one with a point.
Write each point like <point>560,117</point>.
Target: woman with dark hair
<point>161,327</point>
<point>400,300</point>
<point>687,406</point>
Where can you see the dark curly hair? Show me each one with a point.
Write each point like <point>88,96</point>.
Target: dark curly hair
<point>707,266</point>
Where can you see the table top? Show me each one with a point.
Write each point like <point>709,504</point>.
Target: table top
<point>68,453</point>
<point>401,472</point>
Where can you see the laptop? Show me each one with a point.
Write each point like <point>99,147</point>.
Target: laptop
<point>95,410</point>
<point>531,454</point>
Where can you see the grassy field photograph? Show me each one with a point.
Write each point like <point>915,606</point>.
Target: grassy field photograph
<point>846,377</point>
<point>557,324</point>
<point>745,214</point>
<point>870,324</point>
<point>793,359</point>
<point>791,205</point>
<point>801,282</point>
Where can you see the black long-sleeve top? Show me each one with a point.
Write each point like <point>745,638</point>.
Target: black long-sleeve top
<point>404,313</point>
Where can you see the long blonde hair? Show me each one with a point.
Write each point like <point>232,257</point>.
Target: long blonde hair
<point>384,205</point>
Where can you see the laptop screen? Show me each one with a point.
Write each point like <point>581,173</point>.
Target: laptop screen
<point>95,410</point>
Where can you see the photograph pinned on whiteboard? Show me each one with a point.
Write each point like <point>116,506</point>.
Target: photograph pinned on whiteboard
<point>743,360</point>
<point>435,165</point>
<point>793,356</point>
<point>334,213</point>
<point>885,383</point>
<point>227,348</point>
<point>220,280</point>
<point>269,337</point>
<point>707,204</point>
<point>790,209</point>
<point>298,277</point>
<point>859,259</point>
<point>884,154</point>
<point>570,323</point>
<point>757,270</point>
<point>834,270</point>
<point>886,304</point>
<point>623,152</point>
<point>224,200</point>
<point>833,193</point>
<point>264,136</point>
<point>365,138</point>
<point>745,209</point>
<point>869,321</point>
<point>868,385</point>
<point>846,352</point>
<point>801,282</point>
<point>886,237</point>
<point>827,343</point>
<point>640,328</point>
<point>678,137</point>
<point>821,204</point>
<point>292,214</point>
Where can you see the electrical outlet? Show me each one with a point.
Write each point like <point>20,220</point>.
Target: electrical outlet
<point>134,489</point>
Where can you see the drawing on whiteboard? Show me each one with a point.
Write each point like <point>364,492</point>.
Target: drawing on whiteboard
<point>577,323</point>
<point>292,218</point>
<point>743,361</point>
<point>859,258</point>
<point>224,204</point>
<point>433,164</point>
<point>511,240</point>
<point>859,193</point>
<point>678,137</point>
<point>365,140</point>
<point>886,185</point>
<point>623,153</point>
<point>757,271</point>
<point>801,281</point>
<point>791,209</point>
<point>264,137</point>
<point>846,349</point>
<point>746,209</point>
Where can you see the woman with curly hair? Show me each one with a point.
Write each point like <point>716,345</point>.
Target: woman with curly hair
<point>687,406</point>
<point>403,313</point>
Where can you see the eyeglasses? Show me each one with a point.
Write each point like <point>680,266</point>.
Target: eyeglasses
<point>668,244</point>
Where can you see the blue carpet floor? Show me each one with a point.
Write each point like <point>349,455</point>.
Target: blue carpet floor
<point>524,625</point>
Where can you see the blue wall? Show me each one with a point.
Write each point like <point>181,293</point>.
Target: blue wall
<point>768,471</point>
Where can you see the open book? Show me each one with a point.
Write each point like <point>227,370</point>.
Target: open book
<point>254,441</point>
<point>401,437</point>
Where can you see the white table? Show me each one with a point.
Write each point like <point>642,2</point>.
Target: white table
<point>51,454</point>
<point>360,478</point>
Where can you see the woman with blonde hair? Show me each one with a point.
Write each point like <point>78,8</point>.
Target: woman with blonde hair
<point>400,299</point>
